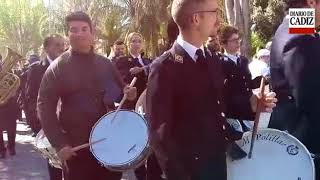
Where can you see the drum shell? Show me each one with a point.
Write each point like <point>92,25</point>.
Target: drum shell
<point>275,153</point>
<point>131,164</point>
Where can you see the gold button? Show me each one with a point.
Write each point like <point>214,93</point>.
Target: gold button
<point>218,102</point>
<point>248,89</point>
<point>223,127</point>
<point>222,114</point>
<point>244,77</point>
<point>289,97</point>
<point>196,158</point>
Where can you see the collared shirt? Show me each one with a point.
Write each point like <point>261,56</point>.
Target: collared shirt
<point>139,59</point>
<point>141,62</point>
<point>189,48</point>
<point>232,57</point>
<point>49,59</point>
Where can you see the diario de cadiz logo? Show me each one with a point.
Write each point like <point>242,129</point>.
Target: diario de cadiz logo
<point>301,20</point>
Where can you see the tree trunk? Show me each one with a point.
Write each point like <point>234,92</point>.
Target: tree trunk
<point>246,47</point>
<point>230,11</point>
<point>238,15</point>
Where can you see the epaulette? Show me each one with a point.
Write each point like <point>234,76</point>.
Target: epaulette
<point>167,55</point>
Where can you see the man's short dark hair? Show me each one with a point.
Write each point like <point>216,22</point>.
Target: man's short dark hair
<point>182,9</point>
<point>118,42</point>
<point>47,40</point>
<point>225,32</point>
<point>295,3</point>
<point>77,16</point>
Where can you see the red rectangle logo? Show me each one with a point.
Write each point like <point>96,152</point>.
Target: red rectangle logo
<point>301,30</point>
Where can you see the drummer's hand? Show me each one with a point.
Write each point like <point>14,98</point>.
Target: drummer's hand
<point>136,70</point>
<point>268,102</point>
<point>66,153</point>
<point>131,92</point>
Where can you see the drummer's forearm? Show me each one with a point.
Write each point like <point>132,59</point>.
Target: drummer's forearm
<point>51,126</point>
<point>47,112</point>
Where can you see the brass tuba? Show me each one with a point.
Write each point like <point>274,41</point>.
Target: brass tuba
<point>9,82</point>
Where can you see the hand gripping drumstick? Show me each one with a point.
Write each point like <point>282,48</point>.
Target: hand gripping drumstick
<point>77,148</point>
<point>123,99</point>
<point>257,117</point>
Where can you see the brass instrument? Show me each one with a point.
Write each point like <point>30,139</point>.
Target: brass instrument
<point>9,82</point>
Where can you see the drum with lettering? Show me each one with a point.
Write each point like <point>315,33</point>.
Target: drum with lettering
<point>276,155</point>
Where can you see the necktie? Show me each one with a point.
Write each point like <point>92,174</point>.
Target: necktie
<point>201,59</point>
<point>238,61</point>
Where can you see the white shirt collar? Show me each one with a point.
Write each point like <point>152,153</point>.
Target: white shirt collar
<point>232,57</point>
<point>49,59</point>
<point>189,48</point>
<point>139,57</point>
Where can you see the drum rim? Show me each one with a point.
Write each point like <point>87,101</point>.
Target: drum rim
<point>144,151</point>
<point>294,139</point>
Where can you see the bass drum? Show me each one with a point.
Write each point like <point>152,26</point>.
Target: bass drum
<point>276,155</point>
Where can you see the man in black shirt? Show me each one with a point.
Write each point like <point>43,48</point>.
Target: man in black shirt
<point>87,84</point>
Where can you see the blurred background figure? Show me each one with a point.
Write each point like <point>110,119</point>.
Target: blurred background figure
<point>260,65</point>
<point>213,44</point>
<point>268,45</point>
<point>117,50</point>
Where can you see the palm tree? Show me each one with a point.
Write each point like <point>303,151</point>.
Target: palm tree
<point>149,18</point>
<point>20,24</point>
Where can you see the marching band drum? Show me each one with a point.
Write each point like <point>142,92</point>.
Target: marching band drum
<point>125,145</point>
<point>277,155</point>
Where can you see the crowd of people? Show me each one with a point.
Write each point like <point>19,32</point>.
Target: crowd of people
<point>200,84</point>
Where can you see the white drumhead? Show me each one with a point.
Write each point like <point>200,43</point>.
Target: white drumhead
<point>276,156</point>
<point>126,138</point>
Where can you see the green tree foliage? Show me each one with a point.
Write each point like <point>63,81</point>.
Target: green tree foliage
<point>21,25</point>
<point>267,16</point>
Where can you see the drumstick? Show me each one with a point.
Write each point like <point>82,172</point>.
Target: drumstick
<point>77,148</point>
<point>257,117</point>
<point>123,99</point>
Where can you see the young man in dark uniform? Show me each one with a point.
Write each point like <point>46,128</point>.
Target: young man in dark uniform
<point>185,99</point>
<point>53,46</point>
<point>295,64</point>
<point>134,65</point>
<point>87,84</point>
<point>238,83</point>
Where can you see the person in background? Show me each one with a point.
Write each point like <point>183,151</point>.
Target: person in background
<point>53,46</point>
<point>260,65</point>
<point>238,82</point>
<point>294,66</point>
<point>134,65</point>
<point>213,44</point>
<point>118,50</point>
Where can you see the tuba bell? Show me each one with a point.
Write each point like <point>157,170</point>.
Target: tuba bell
<point>9,82</point>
